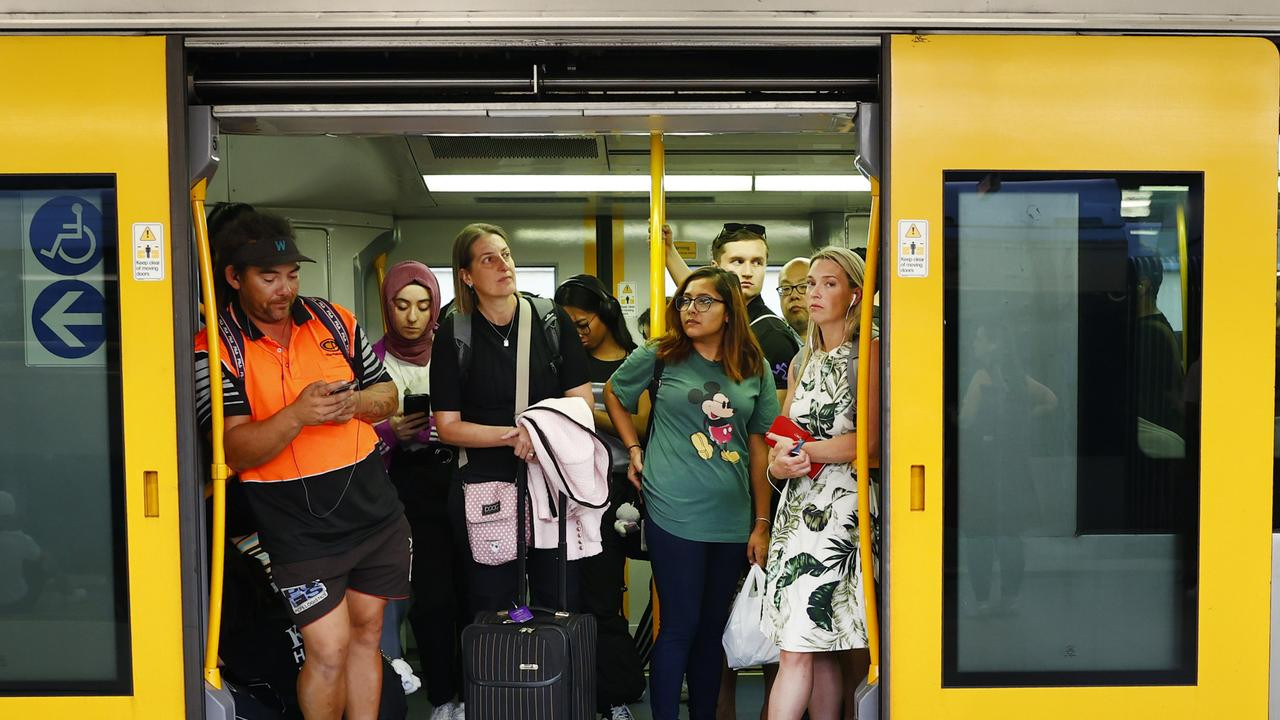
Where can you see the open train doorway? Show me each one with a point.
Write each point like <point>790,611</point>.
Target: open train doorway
<point>369,187</point>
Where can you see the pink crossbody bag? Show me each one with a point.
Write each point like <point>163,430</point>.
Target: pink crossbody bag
<point>492,507</point>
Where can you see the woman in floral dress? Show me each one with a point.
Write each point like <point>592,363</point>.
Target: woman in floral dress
<point>813,604</point>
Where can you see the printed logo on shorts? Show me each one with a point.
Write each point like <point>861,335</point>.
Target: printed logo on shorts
<point>491,508</point>
<point>303,597</point>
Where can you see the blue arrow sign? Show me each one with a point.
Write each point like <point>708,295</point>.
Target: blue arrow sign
<point>67,318</point>
<point>66,235</point>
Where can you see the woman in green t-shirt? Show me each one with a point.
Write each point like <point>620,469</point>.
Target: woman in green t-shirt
<point>702,476</point>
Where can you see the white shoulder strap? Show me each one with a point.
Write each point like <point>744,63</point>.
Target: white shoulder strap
<point>525,311</point>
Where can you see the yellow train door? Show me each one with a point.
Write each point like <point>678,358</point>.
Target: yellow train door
<point>1080,250</point>
<point>90,588</point>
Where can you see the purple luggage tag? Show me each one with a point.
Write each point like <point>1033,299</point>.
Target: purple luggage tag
<point>521,614</point>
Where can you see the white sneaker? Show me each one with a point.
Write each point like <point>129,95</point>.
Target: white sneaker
<point>444,712</point>
<point>460,711</point>
<point>620,712</point>
<point>408,680</point>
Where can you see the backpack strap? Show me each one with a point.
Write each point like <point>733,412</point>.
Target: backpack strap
<point>853,371</point>
<point>462,339</point>
<point>324,311</point>
<point>546,312</point>
<point>654,383</point>
<point>232,337</point>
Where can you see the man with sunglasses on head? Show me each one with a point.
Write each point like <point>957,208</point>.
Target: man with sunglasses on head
<point>741,249</point>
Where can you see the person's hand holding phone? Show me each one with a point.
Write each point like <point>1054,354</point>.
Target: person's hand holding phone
<point>789,458</point>
<point>407,426</point>
<point>345,393</point>
<point>316,404</point>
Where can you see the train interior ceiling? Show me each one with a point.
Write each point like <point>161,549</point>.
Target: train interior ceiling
<point>588,198</point>
<point>387,139</point>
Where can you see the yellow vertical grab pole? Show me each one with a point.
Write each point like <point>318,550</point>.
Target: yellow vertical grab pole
<point>863,462</point>
<point>220,472</point>
<point>657,268</point>
<point>657,249</point>
<point>380,269</point>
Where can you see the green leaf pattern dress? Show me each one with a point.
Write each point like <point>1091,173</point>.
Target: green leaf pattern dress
<point>813,600</point>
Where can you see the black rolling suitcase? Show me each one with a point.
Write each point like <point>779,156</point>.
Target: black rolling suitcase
<point>540,669</point>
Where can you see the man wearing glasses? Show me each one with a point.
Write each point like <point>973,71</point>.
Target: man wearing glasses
<point>741,249</point>
<point>793,283</point>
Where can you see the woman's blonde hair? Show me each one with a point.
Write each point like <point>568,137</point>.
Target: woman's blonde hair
<point>854,270</point>
<point>464,295</point>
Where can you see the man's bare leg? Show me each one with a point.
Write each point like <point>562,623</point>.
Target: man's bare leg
<point>322,684</point>
<point>364,661</point>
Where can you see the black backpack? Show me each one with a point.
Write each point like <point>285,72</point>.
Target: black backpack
<point>544,310</point>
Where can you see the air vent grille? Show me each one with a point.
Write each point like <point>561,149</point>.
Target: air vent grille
<point>484,147</point>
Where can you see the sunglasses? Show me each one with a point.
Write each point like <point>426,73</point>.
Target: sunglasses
<point>730,228</point>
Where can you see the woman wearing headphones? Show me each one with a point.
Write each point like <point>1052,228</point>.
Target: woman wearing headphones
<point>597,316</point>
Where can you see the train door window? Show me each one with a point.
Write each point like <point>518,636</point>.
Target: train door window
<point>537,279</point>
<point>64,617</point>
<point>1071,532</point>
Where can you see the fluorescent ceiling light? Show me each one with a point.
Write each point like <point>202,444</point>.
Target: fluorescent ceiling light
<point>707,183</point>
<point>812,183</point>
<point>545,184</point>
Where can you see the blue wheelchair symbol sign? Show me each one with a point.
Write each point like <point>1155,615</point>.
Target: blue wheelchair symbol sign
<point>66,235</point>
<point>67,318</point>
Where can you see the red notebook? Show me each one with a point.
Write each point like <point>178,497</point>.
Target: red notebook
<point>786,427</point>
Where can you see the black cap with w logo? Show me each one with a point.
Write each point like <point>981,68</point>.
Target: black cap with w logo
<point>268,252</point>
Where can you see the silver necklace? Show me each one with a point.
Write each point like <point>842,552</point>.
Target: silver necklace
<point>505,341</point>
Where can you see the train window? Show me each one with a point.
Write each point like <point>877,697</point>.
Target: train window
<point>64,620</point>
<point>536,279</point>
<point>1072,347</point>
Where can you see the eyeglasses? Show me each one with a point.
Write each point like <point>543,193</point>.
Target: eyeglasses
<point>701,304</point>
<point>584,326</point>
<point>730,228</point>
<point>785,290</point>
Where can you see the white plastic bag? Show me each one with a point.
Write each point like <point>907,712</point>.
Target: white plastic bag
<point>745,642</point>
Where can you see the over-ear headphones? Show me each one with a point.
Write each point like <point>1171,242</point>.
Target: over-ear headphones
<point>610,308</point>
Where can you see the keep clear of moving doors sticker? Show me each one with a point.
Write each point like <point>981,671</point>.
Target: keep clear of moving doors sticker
<point>913,248</point>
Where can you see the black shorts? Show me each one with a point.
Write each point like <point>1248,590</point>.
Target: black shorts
<point>379,566</point>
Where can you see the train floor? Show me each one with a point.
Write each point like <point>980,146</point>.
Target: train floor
<point>750,697</point>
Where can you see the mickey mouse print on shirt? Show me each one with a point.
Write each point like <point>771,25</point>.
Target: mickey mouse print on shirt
<point>718,425</point>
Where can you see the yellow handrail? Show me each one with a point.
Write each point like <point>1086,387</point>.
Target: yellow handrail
<point>217,533</point>
<point>380,269</point>
<point>657,249</point>
<point>863,464</point>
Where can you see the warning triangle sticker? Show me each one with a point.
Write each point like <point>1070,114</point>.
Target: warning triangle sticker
<point>148,236</point>
<point>912,231</point>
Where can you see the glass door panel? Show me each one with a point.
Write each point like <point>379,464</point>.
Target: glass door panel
<point>1072,394</point>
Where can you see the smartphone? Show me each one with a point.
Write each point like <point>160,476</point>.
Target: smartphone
<point>417,403</point>
<point>796,450</point>
<point>343,388</point>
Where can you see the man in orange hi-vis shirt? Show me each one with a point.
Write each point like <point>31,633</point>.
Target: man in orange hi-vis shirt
<point>301,389</point>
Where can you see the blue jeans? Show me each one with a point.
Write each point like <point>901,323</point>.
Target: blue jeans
<point>696,582</point>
